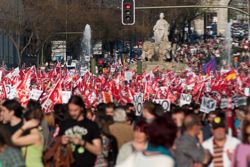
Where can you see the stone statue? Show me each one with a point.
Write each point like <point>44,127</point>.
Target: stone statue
<point>148,50</point>
<point>160,49</point>
<point>161,30</point>
<point>164,51</point>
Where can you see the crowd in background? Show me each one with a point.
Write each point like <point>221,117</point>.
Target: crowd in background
<point>112,135</point>
<point>198,54</point>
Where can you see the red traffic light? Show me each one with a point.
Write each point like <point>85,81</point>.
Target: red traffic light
<point>128,6</point>
<point>128,12</point>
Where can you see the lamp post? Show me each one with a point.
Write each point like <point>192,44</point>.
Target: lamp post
<point>139,67</point>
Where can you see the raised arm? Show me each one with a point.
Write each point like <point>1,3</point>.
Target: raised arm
<point>20,140</point>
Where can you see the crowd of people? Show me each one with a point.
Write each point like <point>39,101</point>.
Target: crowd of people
<point>113,135</point>
<point>88,131</point>
<point>198,54</point>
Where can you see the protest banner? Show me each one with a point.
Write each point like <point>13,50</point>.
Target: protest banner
<point>247,91</point>
<point>138,102</point>
<point>35,94</point>
<point>164,102</point>
<point>208,105</point>
<point>185,99</point>
<point>242,101</point>
<point>10,91</point>
<point>66,96</point>
<point>128,75</point>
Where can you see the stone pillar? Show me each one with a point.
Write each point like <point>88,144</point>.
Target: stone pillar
<point>222,15</point>
<point>199,26</point>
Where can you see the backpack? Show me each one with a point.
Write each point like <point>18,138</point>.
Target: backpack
<point>58,155</point>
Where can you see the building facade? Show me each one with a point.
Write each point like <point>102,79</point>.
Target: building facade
<point>8,53</point>
<point>220,16</point>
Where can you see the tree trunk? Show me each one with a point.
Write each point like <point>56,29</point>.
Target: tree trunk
<point>17,44</point>
<point>189,27</point>
<point>183,34</point>
<point>38,60</point>
<point>19,58</point>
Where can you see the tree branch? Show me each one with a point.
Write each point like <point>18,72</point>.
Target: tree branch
<point>28,43</point>
<point>14,42</point>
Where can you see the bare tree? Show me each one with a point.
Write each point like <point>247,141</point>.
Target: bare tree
<point>14,25</point>
<point>39,21</point>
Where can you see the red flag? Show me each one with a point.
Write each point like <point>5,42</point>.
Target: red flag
<point>55,97</point>
<point>107,97</point>
<point>146,91</point>
<point>171,97</point>
<point>197,91</point>
<point>2,91</point>
<point>23,89</point>
<point>156,69</point>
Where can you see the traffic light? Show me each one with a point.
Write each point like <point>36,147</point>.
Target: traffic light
<point>128,12</point>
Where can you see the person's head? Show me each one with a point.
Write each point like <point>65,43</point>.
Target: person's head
<point>140,130</point>
<point>178,117</point>
<point>162,132</point>
<point>11,109</point>
<point>211,116</point>
<point>162,15</point>
<point>219,129</point>
<point>130,108</point>
<point>90,115</point>
<point>60,113</point>
<point>103,122</point>
<point>192,124</point>
<point>34,111</point>
<point>151,110</point>
<point>120,115</point>
<point>109,110</point>
<point>101,108</point>
<point>196,108</point>
<point>246,132</point>
<point>4,138</point>
<point>76,107</point>
<point>159,110</point>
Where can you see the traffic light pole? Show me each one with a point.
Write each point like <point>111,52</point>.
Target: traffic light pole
<point>193,6</point>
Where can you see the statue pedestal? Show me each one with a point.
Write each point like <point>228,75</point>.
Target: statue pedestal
<point>149,66</point>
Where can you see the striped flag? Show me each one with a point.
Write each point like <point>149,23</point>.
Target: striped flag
<point>231,75</point>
